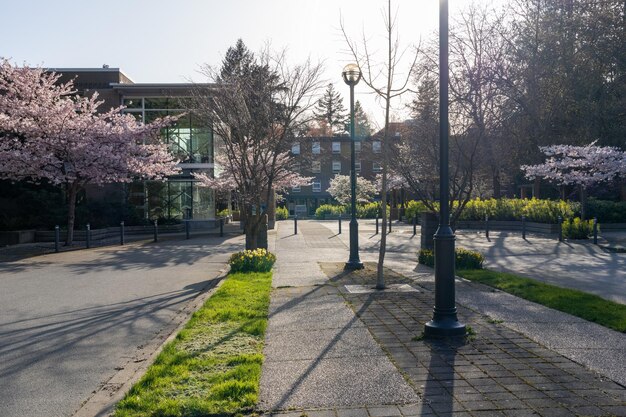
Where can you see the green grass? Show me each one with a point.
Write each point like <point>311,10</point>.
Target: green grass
<point>577,303</point>
<point>213,367</point>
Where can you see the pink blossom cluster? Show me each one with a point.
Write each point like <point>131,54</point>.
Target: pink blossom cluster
<point>579,165</point>
<point>48,131</point>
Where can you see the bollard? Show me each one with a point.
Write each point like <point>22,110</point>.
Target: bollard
<point>487,226</point>
<point>156,231</point>
<point>222,227</point>
<point>122,233</point>
<point>595,230</point>
<point>559,219</point>
<point>88,236</point>
<point>57,238</point>
<point>295,224</point>
<point>187,227</point>
<point>389,220</point>
<point>524,227</point>
<point>339,224</point>
<point>414,225</point>
<point>377,224</point>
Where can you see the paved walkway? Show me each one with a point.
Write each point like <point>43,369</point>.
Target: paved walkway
<point>76,323</point>
<point>510,367</point>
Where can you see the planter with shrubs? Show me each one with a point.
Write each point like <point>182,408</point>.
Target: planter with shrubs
<point>463,258</point>
<point>256,260</point>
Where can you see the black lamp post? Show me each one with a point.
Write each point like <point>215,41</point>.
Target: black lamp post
<point>351,76</point>
<point>444,322</point>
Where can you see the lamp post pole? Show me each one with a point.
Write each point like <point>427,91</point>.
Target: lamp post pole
<point>444,322</point>
<point>351,75</point>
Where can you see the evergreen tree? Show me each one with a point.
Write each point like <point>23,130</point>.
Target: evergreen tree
<point>330,109</point>
<point>363,127</point>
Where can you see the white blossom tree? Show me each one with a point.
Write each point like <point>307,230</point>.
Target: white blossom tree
<point>340,189</point>
<point>581,166</point>
<point>48,133</point>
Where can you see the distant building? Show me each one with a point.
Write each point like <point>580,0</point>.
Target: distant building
<point>191,140</point>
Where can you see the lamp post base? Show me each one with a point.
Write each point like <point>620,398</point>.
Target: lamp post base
<point>444,327</point>
<point>353,265</point>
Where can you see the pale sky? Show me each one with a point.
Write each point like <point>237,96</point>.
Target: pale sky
<point>166,41</point>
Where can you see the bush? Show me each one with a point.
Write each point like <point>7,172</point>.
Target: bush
<point>329,210</point>
<point>414,208</point>
<point>463,258</point>
<point>257,260</point>
<point>223,213</point>
<point>282,213</point>
<point>368,211</point>
<point>577,228</point>
<point>535,210</point>
<point>607,211</point>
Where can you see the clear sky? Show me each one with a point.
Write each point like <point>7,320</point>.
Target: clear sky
<point>166,41</point>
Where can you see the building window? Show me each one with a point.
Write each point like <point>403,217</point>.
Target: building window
<point>295,148</point>
<point>376,167</point>
<point>316,167</point>
<point>317,186</point>
<point>357,166</point>
<point>336,147</point>
<point>376,146</point>
<point>315,148</point>
<point>336,166</point>
<point>297,167</point>
<point>357,146</point>
<point>295,189</point>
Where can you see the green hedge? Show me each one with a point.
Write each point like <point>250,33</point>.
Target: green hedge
<point>282,213</point>
<point>363,211</point>
<point>577,228</point>
<point>607,211</point>
<point>463,258</point>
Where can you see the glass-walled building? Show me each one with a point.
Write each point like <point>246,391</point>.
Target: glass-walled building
<point>190,139</point>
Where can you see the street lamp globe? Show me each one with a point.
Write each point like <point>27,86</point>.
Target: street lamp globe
<point>351,74</point>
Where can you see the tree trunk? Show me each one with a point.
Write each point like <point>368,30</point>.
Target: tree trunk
<point>497,189</point>
<point>537,188</point>
<point>252,230</point>
<point>72,191</point>
<point>583,203</point>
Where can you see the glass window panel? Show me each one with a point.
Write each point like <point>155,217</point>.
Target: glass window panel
<point>133,103</point>
<point>317,186</point>
<point>357,166</point>
<point>202,145</point>
<point>316,167</point>
<point>376,167</point>
<point>357,146</point>
<point>315,148</point>
<point>376,146</point>
<point>295,148</point>
<point>156,103</point>
<point>336,166</point>
<point>296,189</point>
<point>151,116</point>
<point>203,202</point>
<point>336,147</point>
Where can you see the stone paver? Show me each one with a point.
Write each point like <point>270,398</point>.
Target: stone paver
<point>498,371</point>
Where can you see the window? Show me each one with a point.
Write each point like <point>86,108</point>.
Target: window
<point>376,167</point>
<point>376,146</point>
<point>316,167</point>
<point>297,167</point>
<point>295,148</point>
<point>357,146</point>
<point>336,166</point>
<point>317,186</point>
<point>295,189</point>
<point>315,148</point>
<point>357,166</point>
<point>336,147</point>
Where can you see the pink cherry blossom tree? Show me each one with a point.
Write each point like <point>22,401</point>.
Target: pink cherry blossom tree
<point>340,189</point>
<point>48,133</point>
<point>581,166</point>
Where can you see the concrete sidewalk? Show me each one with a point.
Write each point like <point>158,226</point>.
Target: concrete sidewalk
<point>510,367</point>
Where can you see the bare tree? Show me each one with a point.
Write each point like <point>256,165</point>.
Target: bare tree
<point>257,106</point>
<point>381,78</point>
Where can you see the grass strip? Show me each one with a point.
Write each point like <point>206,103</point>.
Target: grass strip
<point>577,303</point>
<point>213,366</point>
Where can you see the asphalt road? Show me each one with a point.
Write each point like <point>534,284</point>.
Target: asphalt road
<point>68,320</point>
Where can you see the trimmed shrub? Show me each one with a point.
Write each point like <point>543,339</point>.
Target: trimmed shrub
<point>368,211</point>
<point>282,213</point>
<point>257,260</point>
<point>329,210</point>
<point>463,258</point>
<point>535,210</point>
<point>414,208</point>
<point>577,228</point>
<point>607,211</point>
<point>223,213</point>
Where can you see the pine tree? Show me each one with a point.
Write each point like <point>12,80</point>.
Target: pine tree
<point>330,109</point>
<point>363,127</point>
